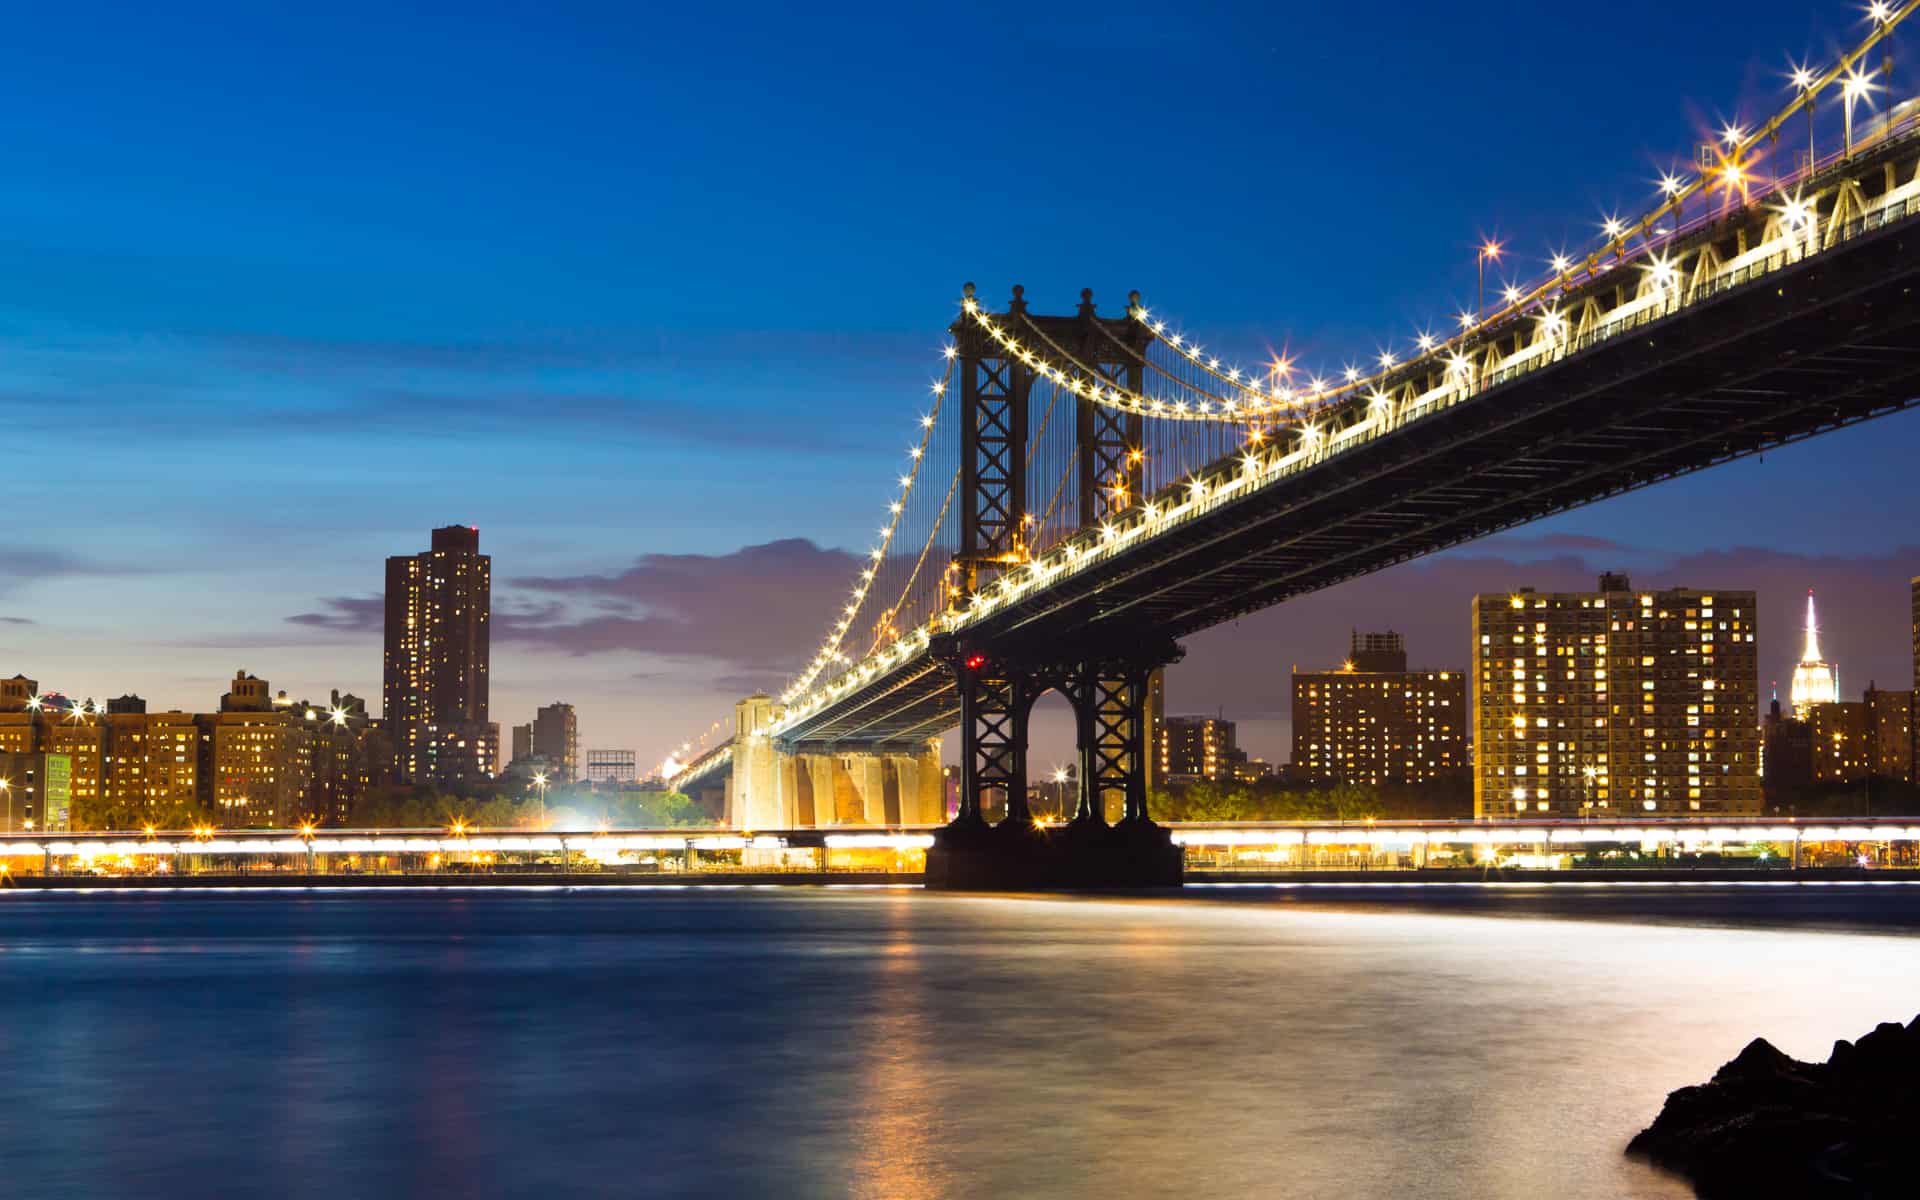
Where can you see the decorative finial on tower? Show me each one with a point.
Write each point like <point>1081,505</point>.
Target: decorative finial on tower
<point>1086,302</point>
<point>1019,302</point>
<point>966,292</point>
<point>1133,301</point>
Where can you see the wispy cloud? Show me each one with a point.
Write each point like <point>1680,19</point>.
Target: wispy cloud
<point>21,566</point>
<point>346,614</point>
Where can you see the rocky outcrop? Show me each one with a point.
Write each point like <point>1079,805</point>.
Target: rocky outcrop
<point>1770,1125</point>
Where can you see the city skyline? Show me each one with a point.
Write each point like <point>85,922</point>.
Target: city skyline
<point>424,342</point>
<point>1254,699</point>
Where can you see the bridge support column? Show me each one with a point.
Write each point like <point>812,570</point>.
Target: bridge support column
<point>1109,694</point>
<point>763,792</point>
<point>869,775</point>
<point>819,769</point>
<point>922,799</point>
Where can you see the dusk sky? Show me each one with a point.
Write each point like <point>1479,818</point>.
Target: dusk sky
<point>652,297</point>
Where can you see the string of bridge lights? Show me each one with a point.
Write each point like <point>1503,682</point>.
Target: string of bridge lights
<point>1081,382</point>
<point>1732,171</point>
<point>830,652</point>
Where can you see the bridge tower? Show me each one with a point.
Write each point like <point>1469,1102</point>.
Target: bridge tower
<point>998,680</point>
<point>995,428</point>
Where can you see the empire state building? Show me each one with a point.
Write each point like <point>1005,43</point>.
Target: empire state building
<point>1815,681</point>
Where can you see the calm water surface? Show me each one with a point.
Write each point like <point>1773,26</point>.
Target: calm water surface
<point>893,1044</point>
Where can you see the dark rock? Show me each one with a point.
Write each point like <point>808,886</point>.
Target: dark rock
<point>1771,1125</point>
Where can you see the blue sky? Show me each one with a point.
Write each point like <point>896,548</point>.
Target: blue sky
<point>282,289</point>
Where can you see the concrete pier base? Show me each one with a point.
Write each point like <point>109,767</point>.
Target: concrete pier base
<point>971,856</point>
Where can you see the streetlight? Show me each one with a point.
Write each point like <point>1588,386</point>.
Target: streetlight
<point>6,785</point>
<point>540,781</point>
<point>1857,87</point>
<point>1590,773</point>
<point>1803,79</point>
<point>1489,249</point>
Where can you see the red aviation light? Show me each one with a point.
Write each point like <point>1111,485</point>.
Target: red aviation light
<point>975,662</point>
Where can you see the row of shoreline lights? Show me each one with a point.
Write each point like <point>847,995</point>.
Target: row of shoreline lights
<point>1280,396</point>
<point>1734,174</point>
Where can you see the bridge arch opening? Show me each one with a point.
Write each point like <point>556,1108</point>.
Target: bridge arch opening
<point>1053,757</point>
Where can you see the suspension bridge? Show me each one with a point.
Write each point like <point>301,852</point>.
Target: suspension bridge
<point>1089,487</point>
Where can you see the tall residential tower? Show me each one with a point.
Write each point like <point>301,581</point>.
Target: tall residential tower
<point>439,605</point>
<point>1616,701</point>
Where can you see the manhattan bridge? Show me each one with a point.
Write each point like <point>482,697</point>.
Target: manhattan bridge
<point>1087,487</point>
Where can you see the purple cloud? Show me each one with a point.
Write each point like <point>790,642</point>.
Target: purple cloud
<point>761,608</point>
<point>346,614</point>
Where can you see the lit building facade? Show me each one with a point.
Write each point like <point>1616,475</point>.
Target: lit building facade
<point>1373,721</point>
<point>1840,733</point>
<point>1616,699</point>
<point>1869,738</point>
<point>260,760</point>
<point>1815,680</point>
<point>556,738</point>
<point>1193,748</point>
<point>438,612</point>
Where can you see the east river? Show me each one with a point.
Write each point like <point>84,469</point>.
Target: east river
<point>889,1043</point>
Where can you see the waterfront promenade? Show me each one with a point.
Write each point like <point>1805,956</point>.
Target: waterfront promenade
<point>1884,849</point>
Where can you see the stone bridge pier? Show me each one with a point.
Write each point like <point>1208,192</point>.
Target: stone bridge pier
<point>774,786</point>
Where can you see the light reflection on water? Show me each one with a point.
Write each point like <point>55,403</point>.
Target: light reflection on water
<point>889,1043</point>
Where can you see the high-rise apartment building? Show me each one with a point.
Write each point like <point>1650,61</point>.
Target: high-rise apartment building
<point>438,609</point>
<point>1890,719</point>
<point>1915,586</point>
<point>1193,748</point>
<point>1372,721</point>
<point>1854,740</point>
<point>556,738</point>
<point>1840,733</point>
<point>1622,700</point>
